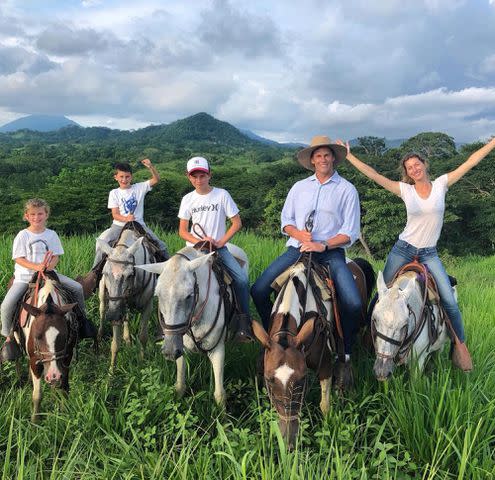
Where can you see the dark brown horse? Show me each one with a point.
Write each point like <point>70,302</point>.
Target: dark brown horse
<point>302,334</point>
<point>50,332</point>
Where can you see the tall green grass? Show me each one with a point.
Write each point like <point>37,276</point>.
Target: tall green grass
<point>131,425</point>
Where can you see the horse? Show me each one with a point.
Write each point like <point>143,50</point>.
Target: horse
<point>49,336</point>
<point>405,325</point>
<point>303,334</point>
<point>195,312</point>
<point>123,287</point>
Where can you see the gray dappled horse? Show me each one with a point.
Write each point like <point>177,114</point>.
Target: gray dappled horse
<point>302,334</point>
<point>402,325</point>
<point>124,287</point>
<point>50,331</point>
<point>194,314</point>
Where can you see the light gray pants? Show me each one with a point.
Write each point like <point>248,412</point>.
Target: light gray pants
<point>18,289</point>
<point>111,234</point>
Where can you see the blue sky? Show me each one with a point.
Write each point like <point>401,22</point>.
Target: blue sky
<point>285,70</point>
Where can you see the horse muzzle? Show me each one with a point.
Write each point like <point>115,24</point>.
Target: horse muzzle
<point>173,347</point>
<point>383,368</point>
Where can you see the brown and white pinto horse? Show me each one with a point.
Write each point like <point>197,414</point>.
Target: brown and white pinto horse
<point>50,332</point>
<point>302,335</point>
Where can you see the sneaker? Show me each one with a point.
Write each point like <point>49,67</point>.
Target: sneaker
<point>10,351</point>
<point>461,357</point>
<point>343,378</point>
<point>244,333</point>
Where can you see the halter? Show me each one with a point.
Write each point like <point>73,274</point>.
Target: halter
<point>46,357</point>
<point>407,341</point>
<point>132,291</point>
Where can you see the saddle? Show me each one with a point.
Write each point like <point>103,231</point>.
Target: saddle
<point>148,241</point>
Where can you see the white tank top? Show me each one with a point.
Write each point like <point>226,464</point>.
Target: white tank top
<point>424,215</point>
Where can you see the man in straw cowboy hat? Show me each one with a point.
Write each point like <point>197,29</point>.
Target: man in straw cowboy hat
<point>321,214</point>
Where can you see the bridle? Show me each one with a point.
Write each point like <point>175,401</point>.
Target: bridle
<point>409,336</point>
<point>195,315</point>
<point>129,292</point>
<point>404,344</point>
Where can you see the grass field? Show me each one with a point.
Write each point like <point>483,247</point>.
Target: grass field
<point>131,425</point>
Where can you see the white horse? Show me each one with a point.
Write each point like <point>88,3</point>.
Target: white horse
<point>122,287</point>
<point>194,314</point>
<point>400,324</point>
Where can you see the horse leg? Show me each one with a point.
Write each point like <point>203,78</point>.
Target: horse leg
<point>101,296</point>
<point>117,332</point>
<point>325,385</point>
<point>217,359</point>
<point>36,397</point>
<point>143,326</point>
<point>126,335</point>
<point>180,383</point>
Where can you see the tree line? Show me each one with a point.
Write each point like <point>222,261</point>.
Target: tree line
<point>73,172</point>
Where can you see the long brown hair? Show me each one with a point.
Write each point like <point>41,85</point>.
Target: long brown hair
<point>405,177</point>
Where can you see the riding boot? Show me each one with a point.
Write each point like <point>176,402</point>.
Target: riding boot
<point>90,281</point>
<point>244,332</point>
<point>10,351</point>
<point>343,378</point>
<point>460,356</point>
<point>86,328</point>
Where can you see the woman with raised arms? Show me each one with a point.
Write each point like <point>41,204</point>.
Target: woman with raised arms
<point>425,205</point>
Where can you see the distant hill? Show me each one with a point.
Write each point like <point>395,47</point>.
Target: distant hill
<point>38,123</point>
<point>253,136</point>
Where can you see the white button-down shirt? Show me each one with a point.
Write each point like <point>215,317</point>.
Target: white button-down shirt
<point>335,204</point>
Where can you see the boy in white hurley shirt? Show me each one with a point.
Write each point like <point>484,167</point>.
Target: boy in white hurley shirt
<point>28,251</point>
<point>210,207</point>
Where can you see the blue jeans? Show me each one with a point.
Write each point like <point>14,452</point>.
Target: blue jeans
<point>347,292</point>
<point>402,253</point>
<point>240,279</point>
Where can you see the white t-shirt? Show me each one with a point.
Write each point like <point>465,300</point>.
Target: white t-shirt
<point>33,247</point>
<point>424,216</point>
<point>129,200</point>
<point>209,210</point>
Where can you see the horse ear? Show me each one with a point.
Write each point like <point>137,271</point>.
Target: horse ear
<point>200,261</point>
<point>66,308</point>
<point>411,285</point>
<point>261,335</point>
<point>303,335</point>
<point>381,286</point>
<point>153,267</point>
<point>31,309</point>
<point>104,246</point>
<point>137,244</point>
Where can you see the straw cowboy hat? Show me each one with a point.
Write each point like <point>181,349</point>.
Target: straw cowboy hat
<point>304,156</point>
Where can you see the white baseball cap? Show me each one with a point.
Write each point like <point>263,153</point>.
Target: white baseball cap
<point>198,164</point>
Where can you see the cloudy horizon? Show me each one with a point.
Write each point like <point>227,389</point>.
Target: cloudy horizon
<point>283,70</point>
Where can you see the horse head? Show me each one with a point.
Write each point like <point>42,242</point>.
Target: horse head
<point>119,275</point>
<point>391,321</point>
<point>49,345</point>
<point>285,370</point>
<point>179,296</point>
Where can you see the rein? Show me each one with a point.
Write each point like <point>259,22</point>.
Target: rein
<point>196,313</point>
<point>130,292</point>
<point>425,315</point>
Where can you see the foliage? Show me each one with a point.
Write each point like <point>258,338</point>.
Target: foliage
<point>72,169</point>
<point>131,425</point>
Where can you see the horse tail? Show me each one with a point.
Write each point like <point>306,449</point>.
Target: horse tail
<point>369,275</point>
